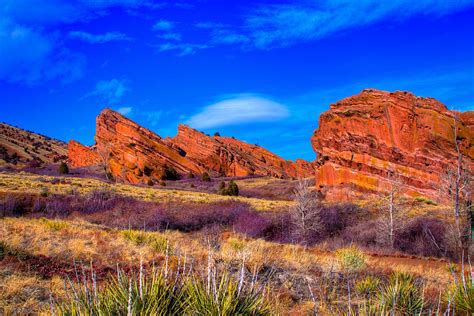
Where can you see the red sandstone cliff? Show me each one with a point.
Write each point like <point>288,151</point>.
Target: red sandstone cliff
<point>233,157</point>
<point>362,139</point>
<point>136,154</point>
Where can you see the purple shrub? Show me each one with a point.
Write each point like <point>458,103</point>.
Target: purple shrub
<point>425,236</point>
<point>252,224</point>
<point>363,234</point>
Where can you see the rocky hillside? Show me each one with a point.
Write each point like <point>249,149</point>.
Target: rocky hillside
<point>22,148</point>
<point>137,155</point>
<point>365,141</point>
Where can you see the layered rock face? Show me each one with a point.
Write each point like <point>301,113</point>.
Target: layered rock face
<point>135,154</point>
<point>82,156</point>
<point>365,141</point>
<point>233,157</point>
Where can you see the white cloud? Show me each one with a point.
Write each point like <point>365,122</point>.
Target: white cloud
<point>183,49</point>
<point>163,25</point>
<point>111,91</point>
<point>239,109</point>
<point>99,38</point>
<point>284,24</point>
<point>173,36</point>
<point>30,55</point>
<point>125,110</point>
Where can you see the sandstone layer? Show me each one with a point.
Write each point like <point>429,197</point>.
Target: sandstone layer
<point>137,155</point>
<point>366,141</point>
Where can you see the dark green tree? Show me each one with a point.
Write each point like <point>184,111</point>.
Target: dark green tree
<point>63,168</point>
<point>233,188</point>
<point>205,177</point>
<point>170,173</point>
<point>222,189</point>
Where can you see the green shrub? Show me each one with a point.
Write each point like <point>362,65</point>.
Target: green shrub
<point>205,177</point>
<point>368,287</point>
<point>141,238</point>
<point>54,224</point>
<point>126,295</point>
<point>222,188</point>
<point>351,258</point>
<point>225,299</point>
<point>161,293</point>
<point>232,189</point>
<point>44,192</point>
<point>169,173</point>
<point>147,171</point>
<point>422,199</point>
<point>463,296</point>
<point>217,134</point>
<point>63,168</point>
<point>402,295</point>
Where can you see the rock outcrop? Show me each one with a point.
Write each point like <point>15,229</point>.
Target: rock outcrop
<point>137,155</point>
<point>365,141</point>
<point>82,156</point>
<point>232,157</point>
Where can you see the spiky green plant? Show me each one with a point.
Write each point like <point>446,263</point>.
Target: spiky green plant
<point>227,297</point>
<point>351,259</point>
<point>403,294</point>
<point>368,287</point>
<point>463,296</point>
<point>139,237</point>
<point>126,295</point>
<point>161,293</point>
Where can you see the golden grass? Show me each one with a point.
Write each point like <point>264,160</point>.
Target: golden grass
<point>78,240</point>
<point>30,183</point>
<point>24,294</point>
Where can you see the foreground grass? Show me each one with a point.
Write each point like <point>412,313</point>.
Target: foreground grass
<point>30,183</point>
<point>290,270</point>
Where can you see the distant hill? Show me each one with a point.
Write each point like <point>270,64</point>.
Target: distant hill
<point>21,148</point>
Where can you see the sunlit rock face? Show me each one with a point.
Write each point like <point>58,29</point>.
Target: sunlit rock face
<point>137,155</point>
<point>364,140</point>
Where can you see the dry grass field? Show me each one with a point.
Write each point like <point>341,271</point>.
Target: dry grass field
<point>43,255</point>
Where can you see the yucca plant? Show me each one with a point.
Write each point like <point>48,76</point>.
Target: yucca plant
<point>126,295</point>
<point>225,297</point>
<point>368,287</point>
<point>351,259</point>
<point>462,296</point>
<point>402,294</point>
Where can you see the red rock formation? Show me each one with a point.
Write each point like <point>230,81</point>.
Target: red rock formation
<point>136,154</point>
<point>81,156</point>
<point>362,139</point>
<point>233,157</point>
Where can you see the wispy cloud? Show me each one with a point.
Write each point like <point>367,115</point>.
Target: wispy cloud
<point>163,25</point>
<point>171,36</point>
<point>284,24</point>
<point>29,55</point>
<point>31,50</point>
<point>125,110</point>
<point>183,49</point>
<point>153,118</point>
<point>239,109</point>
<point>110,91</point>
<point>99,38</point>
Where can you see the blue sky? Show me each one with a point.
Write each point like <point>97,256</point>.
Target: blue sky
<point>260,71</point>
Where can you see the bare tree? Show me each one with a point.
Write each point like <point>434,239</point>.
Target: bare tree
<point>456,186</point>
<point>105,152</point>
<point>306,213</point>
<point>391,220</point>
